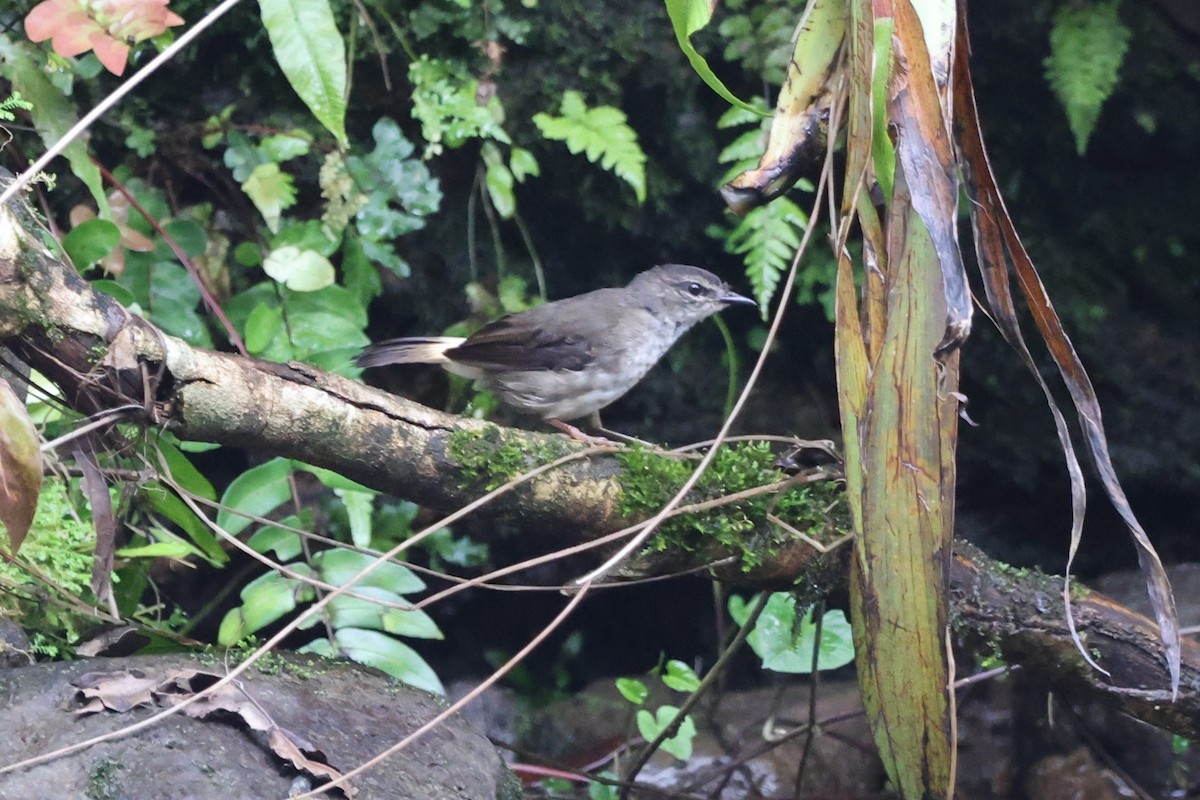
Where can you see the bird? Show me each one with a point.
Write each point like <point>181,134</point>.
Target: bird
<point>570,358</point>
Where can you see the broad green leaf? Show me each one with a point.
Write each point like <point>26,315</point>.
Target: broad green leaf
<point>688,17</point>
<point>299,270</point>
<point>395,658</point>
<point>632,690</point>
<point>271,190</point>
<point>307,235</point>
<point>651,725</point>
<point>284,544</point>
<point>680,677</point>
<point>1088,43</point>
<point>188,234</point>
<point>338,566</point>
<point>359,506</point>
<point>90,241</point>
<point>265,599</point>
<point>361,611</point>
<point>312,54</point>
<point>20,467</point>
<point>263,327</point>
<point>174,298</point>
<point>258,491</point>
<point>602,134</point>
<point>413,623</point>
<point>785,643</point>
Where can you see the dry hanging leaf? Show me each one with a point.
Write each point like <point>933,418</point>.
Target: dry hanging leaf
<point>20,467</point>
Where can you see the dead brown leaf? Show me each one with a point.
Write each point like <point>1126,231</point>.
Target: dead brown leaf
<point>128,689</point>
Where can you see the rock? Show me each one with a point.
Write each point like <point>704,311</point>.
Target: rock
<point>347,712</point>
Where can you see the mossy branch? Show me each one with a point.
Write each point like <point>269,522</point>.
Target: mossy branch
<point>102,357</point>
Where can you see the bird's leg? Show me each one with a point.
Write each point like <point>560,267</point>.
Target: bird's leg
<point>594,421</point>
<point>580,436</point>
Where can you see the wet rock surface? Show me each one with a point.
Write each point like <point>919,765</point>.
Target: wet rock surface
<point>348,713</point>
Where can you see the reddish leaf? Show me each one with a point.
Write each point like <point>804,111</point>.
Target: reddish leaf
<point>20,467</point>
<point>76,26</point>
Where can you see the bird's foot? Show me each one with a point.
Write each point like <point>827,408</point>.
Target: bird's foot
<point>580,436</point>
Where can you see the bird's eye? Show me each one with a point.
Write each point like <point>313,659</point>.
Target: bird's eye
<point>695,289</point>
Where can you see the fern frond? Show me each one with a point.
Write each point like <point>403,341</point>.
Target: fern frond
<point>1087,45</point>
<point>602,134</point>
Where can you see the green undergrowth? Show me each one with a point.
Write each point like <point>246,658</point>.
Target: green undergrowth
<point>649,481</point>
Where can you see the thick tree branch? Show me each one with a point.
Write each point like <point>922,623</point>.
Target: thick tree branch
<point>102,357</point>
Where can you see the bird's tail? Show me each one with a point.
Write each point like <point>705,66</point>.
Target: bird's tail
<point>413,350</point>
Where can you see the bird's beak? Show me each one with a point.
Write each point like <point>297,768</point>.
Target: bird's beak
<point>734,299</point>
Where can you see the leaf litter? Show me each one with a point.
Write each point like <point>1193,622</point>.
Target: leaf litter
<point>124,690</point>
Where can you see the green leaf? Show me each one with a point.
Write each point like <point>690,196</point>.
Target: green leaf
<point>338,566</point>
<point>53,114</point>
<point>688,17</point>
<point>1088,43</point>
<point>90,241</point>
<point>114,290</point>
<point>312,54</point>
<point>174,297</point>
<point>522,164</point>
<point>307,235</point>
<point>651,725</point>
<point>445,100</point>
<point>602,134</point>
<point>499,182</point>
<point>184,472</point>
<point>164,502</point>
<point>359,506</point>
<point>263,326</point>
<point>632,690</point>
<point>680,677</point>
<point>361,611</point>
<point>271,190</point>
<point>168,548</point>
<point>285,545</point>
<point>390,176</point>
<point>282,147</point>
<point>413,623</point>
<point>258,491</point>
<point>299,270</point>
<point>785,642</point>
<point>265,599</point>
<point>383,652</point>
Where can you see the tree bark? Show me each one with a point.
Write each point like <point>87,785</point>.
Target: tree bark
<point>103,357</point>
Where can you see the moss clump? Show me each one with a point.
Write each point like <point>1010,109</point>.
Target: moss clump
<point>649,480</point>
<point>103,783</point>
<point>492,457</point>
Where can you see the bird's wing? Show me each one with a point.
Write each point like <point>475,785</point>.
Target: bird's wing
<point>557,335</point>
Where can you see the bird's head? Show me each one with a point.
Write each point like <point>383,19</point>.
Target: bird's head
<point>686,294</point>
